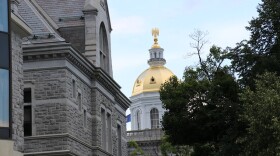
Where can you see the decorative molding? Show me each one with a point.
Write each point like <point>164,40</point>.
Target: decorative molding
<point>62,50</point>
<point>50,153</point>
<point>19,25</point>
<point>65,135</point>
<point>71,18</point>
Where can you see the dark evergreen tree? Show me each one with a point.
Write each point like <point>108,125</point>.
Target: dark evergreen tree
<point>261,52</point>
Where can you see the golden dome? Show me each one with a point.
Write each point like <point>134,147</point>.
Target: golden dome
<point>151,79</point>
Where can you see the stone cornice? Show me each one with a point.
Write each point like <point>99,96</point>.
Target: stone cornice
<point>20,26</point>
<point>64,135</point>
<point>51,153</point>
<point>104,78</point>
<point>62,50</point>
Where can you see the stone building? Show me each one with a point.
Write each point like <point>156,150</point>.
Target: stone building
<point>146,108</point>
<point>12,144</point>
<point>65,100</point>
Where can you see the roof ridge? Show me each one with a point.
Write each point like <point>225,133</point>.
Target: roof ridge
<point>43,20</point>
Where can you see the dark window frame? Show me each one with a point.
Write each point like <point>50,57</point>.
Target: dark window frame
<point>6,133</point>
<point>29,99</point>
<point>29,123</point>
<point>27,104</point>
<point>119,140</point>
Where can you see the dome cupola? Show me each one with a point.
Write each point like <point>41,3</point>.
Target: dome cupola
<point>152,78</point>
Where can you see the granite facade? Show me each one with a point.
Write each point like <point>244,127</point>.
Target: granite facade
<point>56,111</point>
<point>69,89</point>
<point>74,35</point>
<point>17,89</point>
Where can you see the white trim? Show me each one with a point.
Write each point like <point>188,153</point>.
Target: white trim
<point>21,24</point>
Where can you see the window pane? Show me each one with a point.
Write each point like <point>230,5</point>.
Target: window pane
<point>154,118</point>
<point>103,129</point>
<point>4,98</point>
<point>119,140</point>
<point>4,15</point>
<point>4,50</point>
<point>80,101</point>
<point>27,95</point>
<point>27,121</point>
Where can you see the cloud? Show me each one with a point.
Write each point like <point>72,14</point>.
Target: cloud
<point>129,25</point>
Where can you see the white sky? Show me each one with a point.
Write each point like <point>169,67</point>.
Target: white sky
<point>132,21</point>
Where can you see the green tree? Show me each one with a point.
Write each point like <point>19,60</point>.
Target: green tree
<point>203,108</point>
<point>258,55</point>
<point>137,150</point>
<point>261,52</point>
<point>261,111</point>
<point>167,148</point>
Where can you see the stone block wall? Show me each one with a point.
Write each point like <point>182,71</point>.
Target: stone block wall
<point>48,107</point>
<point>75,36</point>
<point>120,118</point>
<point>50,118</point>
<point>102,101</point>
<point>45,144</point>
<point>75,117</point>
<point>56,112</point>
<point>17,95</point>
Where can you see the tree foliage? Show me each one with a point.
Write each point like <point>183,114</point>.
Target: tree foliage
<point>168,149</point>
<point>218,115</point>
<point>261,52</point>
<point>137,150</point>
<point>202,109</point>
<point>261,111</point>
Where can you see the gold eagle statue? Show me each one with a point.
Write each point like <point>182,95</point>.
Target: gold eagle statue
<point>155,33</point>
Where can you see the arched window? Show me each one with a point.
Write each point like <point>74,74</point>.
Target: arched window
<point>104,51</point>
<point>154,118</point>
<point>138,120</point>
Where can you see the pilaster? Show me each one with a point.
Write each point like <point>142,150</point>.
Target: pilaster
<point>90,13</point>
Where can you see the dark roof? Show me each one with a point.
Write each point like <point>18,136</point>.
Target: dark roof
<point>64,13</point>
<point>34,22</point>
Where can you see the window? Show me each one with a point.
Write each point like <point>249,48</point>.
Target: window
<point>80,101</point>
<point>27,98</point>
<point>106,131</point>
<point>27,121</point>
<point>103,128</point>
<point>154,118</point>
<point>152,81</point>
<point>104,51</point>
<point>109,133</point>
<point>119,131</point>
<point>138,120</point>
<point>85,118</point>
<point>4,103</point>
<point>73,88</point>
<point>4,49</point>
<point>4,71</point>
<point>4,15</point>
